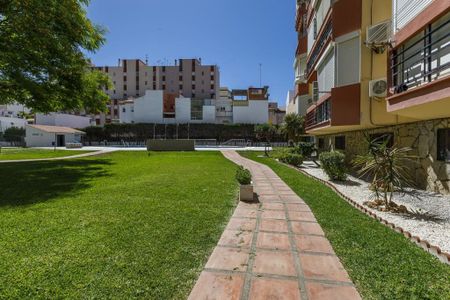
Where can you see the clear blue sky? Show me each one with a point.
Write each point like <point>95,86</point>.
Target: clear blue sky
<point>237,35</point>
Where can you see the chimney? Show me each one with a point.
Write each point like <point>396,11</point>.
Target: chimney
<point>119,63</point>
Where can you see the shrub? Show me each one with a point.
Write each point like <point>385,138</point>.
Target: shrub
<point>243,176</point>
<point>292,159</point>
<point>305,149</point>
<point>333,163</point>
<point>280,153</point>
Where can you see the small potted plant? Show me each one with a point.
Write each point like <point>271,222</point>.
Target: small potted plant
<point>244,177</point>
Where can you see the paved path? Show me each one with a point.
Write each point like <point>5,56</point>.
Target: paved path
<point>272,250</point>
<point>58,158</point>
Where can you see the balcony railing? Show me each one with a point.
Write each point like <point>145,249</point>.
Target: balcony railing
<point>319,45</point>
<point>321,114</point>
<point>422,61</point>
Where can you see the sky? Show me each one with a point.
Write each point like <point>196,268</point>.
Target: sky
<point>236,35</point>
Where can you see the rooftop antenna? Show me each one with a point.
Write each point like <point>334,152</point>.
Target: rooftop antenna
<point>146,59</point>
<point>260,75</point>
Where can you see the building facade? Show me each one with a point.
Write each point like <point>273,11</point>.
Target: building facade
<point>64,120</point>
<point>132,78</point>
<point>276,114</point>
<point>161,107</point>
<point>379,68</point>
<point>251,106</point>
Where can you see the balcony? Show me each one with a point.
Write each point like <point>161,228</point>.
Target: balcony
<point>319,46</point>
<point>302,45</point>
<point>336,111</point>
<point>420,74</point>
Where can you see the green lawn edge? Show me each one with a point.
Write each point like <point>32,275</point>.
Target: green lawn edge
<point>30,153</point>
<point>382,263</point>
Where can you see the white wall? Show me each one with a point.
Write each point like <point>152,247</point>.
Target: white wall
<point>257,112</point>
<point>38,138</point>
<point>6,122</point>
<point>209,114</point>
<point>13,110</point>
<point>183,110</point>
<point>149,108</point>
<point>126,113</point>
<point>64,120</point>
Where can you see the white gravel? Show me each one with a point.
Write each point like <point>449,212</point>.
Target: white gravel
<point>436,232</point>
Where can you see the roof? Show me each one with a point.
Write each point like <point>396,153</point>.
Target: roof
<point>56,129</point>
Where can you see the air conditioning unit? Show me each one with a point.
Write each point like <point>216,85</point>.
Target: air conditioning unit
<point>378,88</point>
<point>380,33</point>
<point>315,91</point>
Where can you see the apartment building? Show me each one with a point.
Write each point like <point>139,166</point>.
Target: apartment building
<point>378,68</point>
<point>251,106</point>
<point>133,77</point>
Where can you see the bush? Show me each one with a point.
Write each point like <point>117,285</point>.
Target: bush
<point>333,163</point>
<point>306,149</point>
<point>292,159</point>
<point>243,176</point>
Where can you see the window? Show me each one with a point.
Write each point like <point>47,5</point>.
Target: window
<point>381,138</point>
<point>181,86</point>
<point>339,142</point>
<point>164,69</point>
<point>164,78</point>
<point>443,144</point>
<point>180,78</point>
<point>154,86</point>
<point>106,69</point>
<point>212,87</point>
<point>347,61</point>
<point>164,87</point>
<point>213,96</point>
<point>124,66</point>
<point>193,78</point>
<point>137,87</point>
<point>146,83</point>
<point>212,68</point>
<point>212,77</point>
<point>124,78</point>
<point>193,87</point>
<point>124,110</point>
<point>315,28</point>
<point>124,87</point>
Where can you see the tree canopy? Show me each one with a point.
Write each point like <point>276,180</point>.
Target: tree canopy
<point>42,56</point>
<point>293,127</point>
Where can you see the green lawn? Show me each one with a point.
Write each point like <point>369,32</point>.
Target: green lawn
<point>383,264</point>
<point>122,225</point>
<point>30,153</point>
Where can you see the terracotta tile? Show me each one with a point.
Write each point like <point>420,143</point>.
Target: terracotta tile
<point>236,238</point>
<point>274,289</point>
<point>319,291</point>
<point>287,195</point>
<point>245,205</point>
<point>313,243</point>
<point>301,216</point>
<point>273,214</point>
<point>298,207</point>
<point>269,198</point>
<point>274,262</point>
<point>273,225</point>
<point>217,286</point>
<point>230,259</point>
<point>273,241</point>
<point>273,206</point>
<point>244,213</point>
<point>306,228</point>
<point>241,224</point>
<point>323,267</point>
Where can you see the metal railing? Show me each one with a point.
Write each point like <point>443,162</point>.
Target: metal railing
<point>320,114</point>
<point>319,45</point>
<point>415,64</point>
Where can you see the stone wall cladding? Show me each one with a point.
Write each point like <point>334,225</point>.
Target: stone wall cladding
<point>429,173</point>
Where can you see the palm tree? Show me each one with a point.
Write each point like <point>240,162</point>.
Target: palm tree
<point>293,127</point>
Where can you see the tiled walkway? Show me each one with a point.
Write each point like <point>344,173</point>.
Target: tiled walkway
<point>274,249</point>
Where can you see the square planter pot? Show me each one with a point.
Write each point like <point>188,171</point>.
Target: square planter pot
<point>246,193</point>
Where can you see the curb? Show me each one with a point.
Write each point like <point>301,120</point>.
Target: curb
<point>422,243</point>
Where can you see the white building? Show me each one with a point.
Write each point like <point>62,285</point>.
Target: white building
<point>7,122</point>
<point>161,108</point>
<point>49,136</point>
<point>14,110</point>
<point>64,120</point>
<point>224,107</point>
<point>251,106</point>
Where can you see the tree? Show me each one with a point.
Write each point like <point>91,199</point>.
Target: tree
<point>265,132</point>
<point>293,127</point>
<point>42,60</point>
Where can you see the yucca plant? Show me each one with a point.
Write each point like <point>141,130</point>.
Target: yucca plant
<point>388,167</point>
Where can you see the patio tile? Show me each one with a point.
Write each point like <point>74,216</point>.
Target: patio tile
<point>274,262</point>
<point>245,205</point>
<point>273,206</point>
<point>273,225</point>
<point>301,216</point>
<point>273,214</point>
<point>274,289</point>
<point>306,228</point>
<point>313,244</point>
<point>217,286</point>
<point>319,291</point>
<point>241,224</point>
<point>323,267</point>
<point>273,241</point>
<point>236,238</point>
<point>230,259</point>
<point>298,207</point>
<point>245,213</point>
